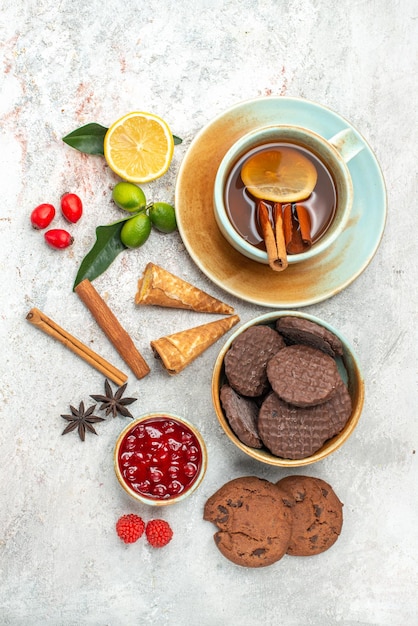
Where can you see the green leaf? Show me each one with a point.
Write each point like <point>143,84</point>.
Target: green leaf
<point>105,250</point>
<point>177,140</point>
<point>88,139</point>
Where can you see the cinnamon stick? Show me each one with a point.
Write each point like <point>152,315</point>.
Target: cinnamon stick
<point>279,234</point>
<point>297,228</point>
<point>112,328</point>
<point>274,239</point>
<point>48,326</point>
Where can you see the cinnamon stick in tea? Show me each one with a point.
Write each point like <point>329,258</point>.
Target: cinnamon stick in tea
<point>274,239</point>
<point>297,228</point>
<point>48,326</point>
<point>112,328</point>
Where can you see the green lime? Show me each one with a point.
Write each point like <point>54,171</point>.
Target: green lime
<point>136,231</point>
<point>129,197</point>
<point>163,217</point>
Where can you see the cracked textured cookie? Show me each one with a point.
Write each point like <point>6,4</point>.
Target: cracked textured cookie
<point>293,432</point>
<point>300,330</point>
<point>242,415</point>
<point>246,360</point>
<point>317,514</point>
<point>254,520</point>
<point>302,375</point>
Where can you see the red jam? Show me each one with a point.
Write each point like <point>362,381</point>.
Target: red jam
<point>160,458</point>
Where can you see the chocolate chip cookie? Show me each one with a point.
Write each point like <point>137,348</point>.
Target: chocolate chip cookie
<point>317,515</point>
<point>254,518</point>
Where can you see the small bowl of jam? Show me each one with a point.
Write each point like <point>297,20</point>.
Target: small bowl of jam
<point>160,459</point>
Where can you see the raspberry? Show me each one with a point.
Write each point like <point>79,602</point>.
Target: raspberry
<point>130,528</point>
<point>158,533</point>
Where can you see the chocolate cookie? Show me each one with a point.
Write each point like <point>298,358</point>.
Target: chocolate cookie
<point>317,515</point>
<point>293,432</point>
<point>246,360</point>
<point>302,375</point>
<point>242,415</point>
<point>254,518</point>
<point>300,330</point>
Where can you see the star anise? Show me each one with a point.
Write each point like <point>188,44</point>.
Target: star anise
<point>114,403</point>
<point>81,419</point>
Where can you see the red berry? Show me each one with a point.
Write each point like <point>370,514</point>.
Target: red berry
<point>158,533</point>
<point>42,216</point>
<point>130,528</point>
<point>58,238</point>
<point>71,207</point>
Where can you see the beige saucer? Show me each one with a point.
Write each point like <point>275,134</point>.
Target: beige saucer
<point>303,283</point>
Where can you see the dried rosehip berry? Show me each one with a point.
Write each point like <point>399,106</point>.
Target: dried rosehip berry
<point>58,238</point>
<point>71,207</point>
<point>42,216</point>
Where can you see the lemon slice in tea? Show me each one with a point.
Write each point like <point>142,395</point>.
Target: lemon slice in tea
<point>139,147</point>
<point>279,175</point>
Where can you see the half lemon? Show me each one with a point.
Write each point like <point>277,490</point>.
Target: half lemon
<point>139,147</point>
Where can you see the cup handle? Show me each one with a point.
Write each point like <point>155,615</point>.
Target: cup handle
<point>347,143</point>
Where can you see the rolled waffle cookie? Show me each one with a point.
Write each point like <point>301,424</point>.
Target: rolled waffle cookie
<point>159,287</point>
<point>254,520</point>
<point>302,375</point>
<point>317,515</point>
<point>177,351</point>
<point>300,330</point>
<point>246,360</point>
<point>293,432</point>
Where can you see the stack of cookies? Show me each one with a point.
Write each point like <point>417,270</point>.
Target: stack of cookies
<point>283,388</point>
<point>259,521</point>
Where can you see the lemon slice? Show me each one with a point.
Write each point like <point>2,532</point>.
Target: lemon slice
<point>280,175</point>
<point>139,147</point>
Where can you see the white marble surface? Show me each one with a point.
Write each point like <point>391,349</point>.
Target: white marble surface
<point>67,63</point>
